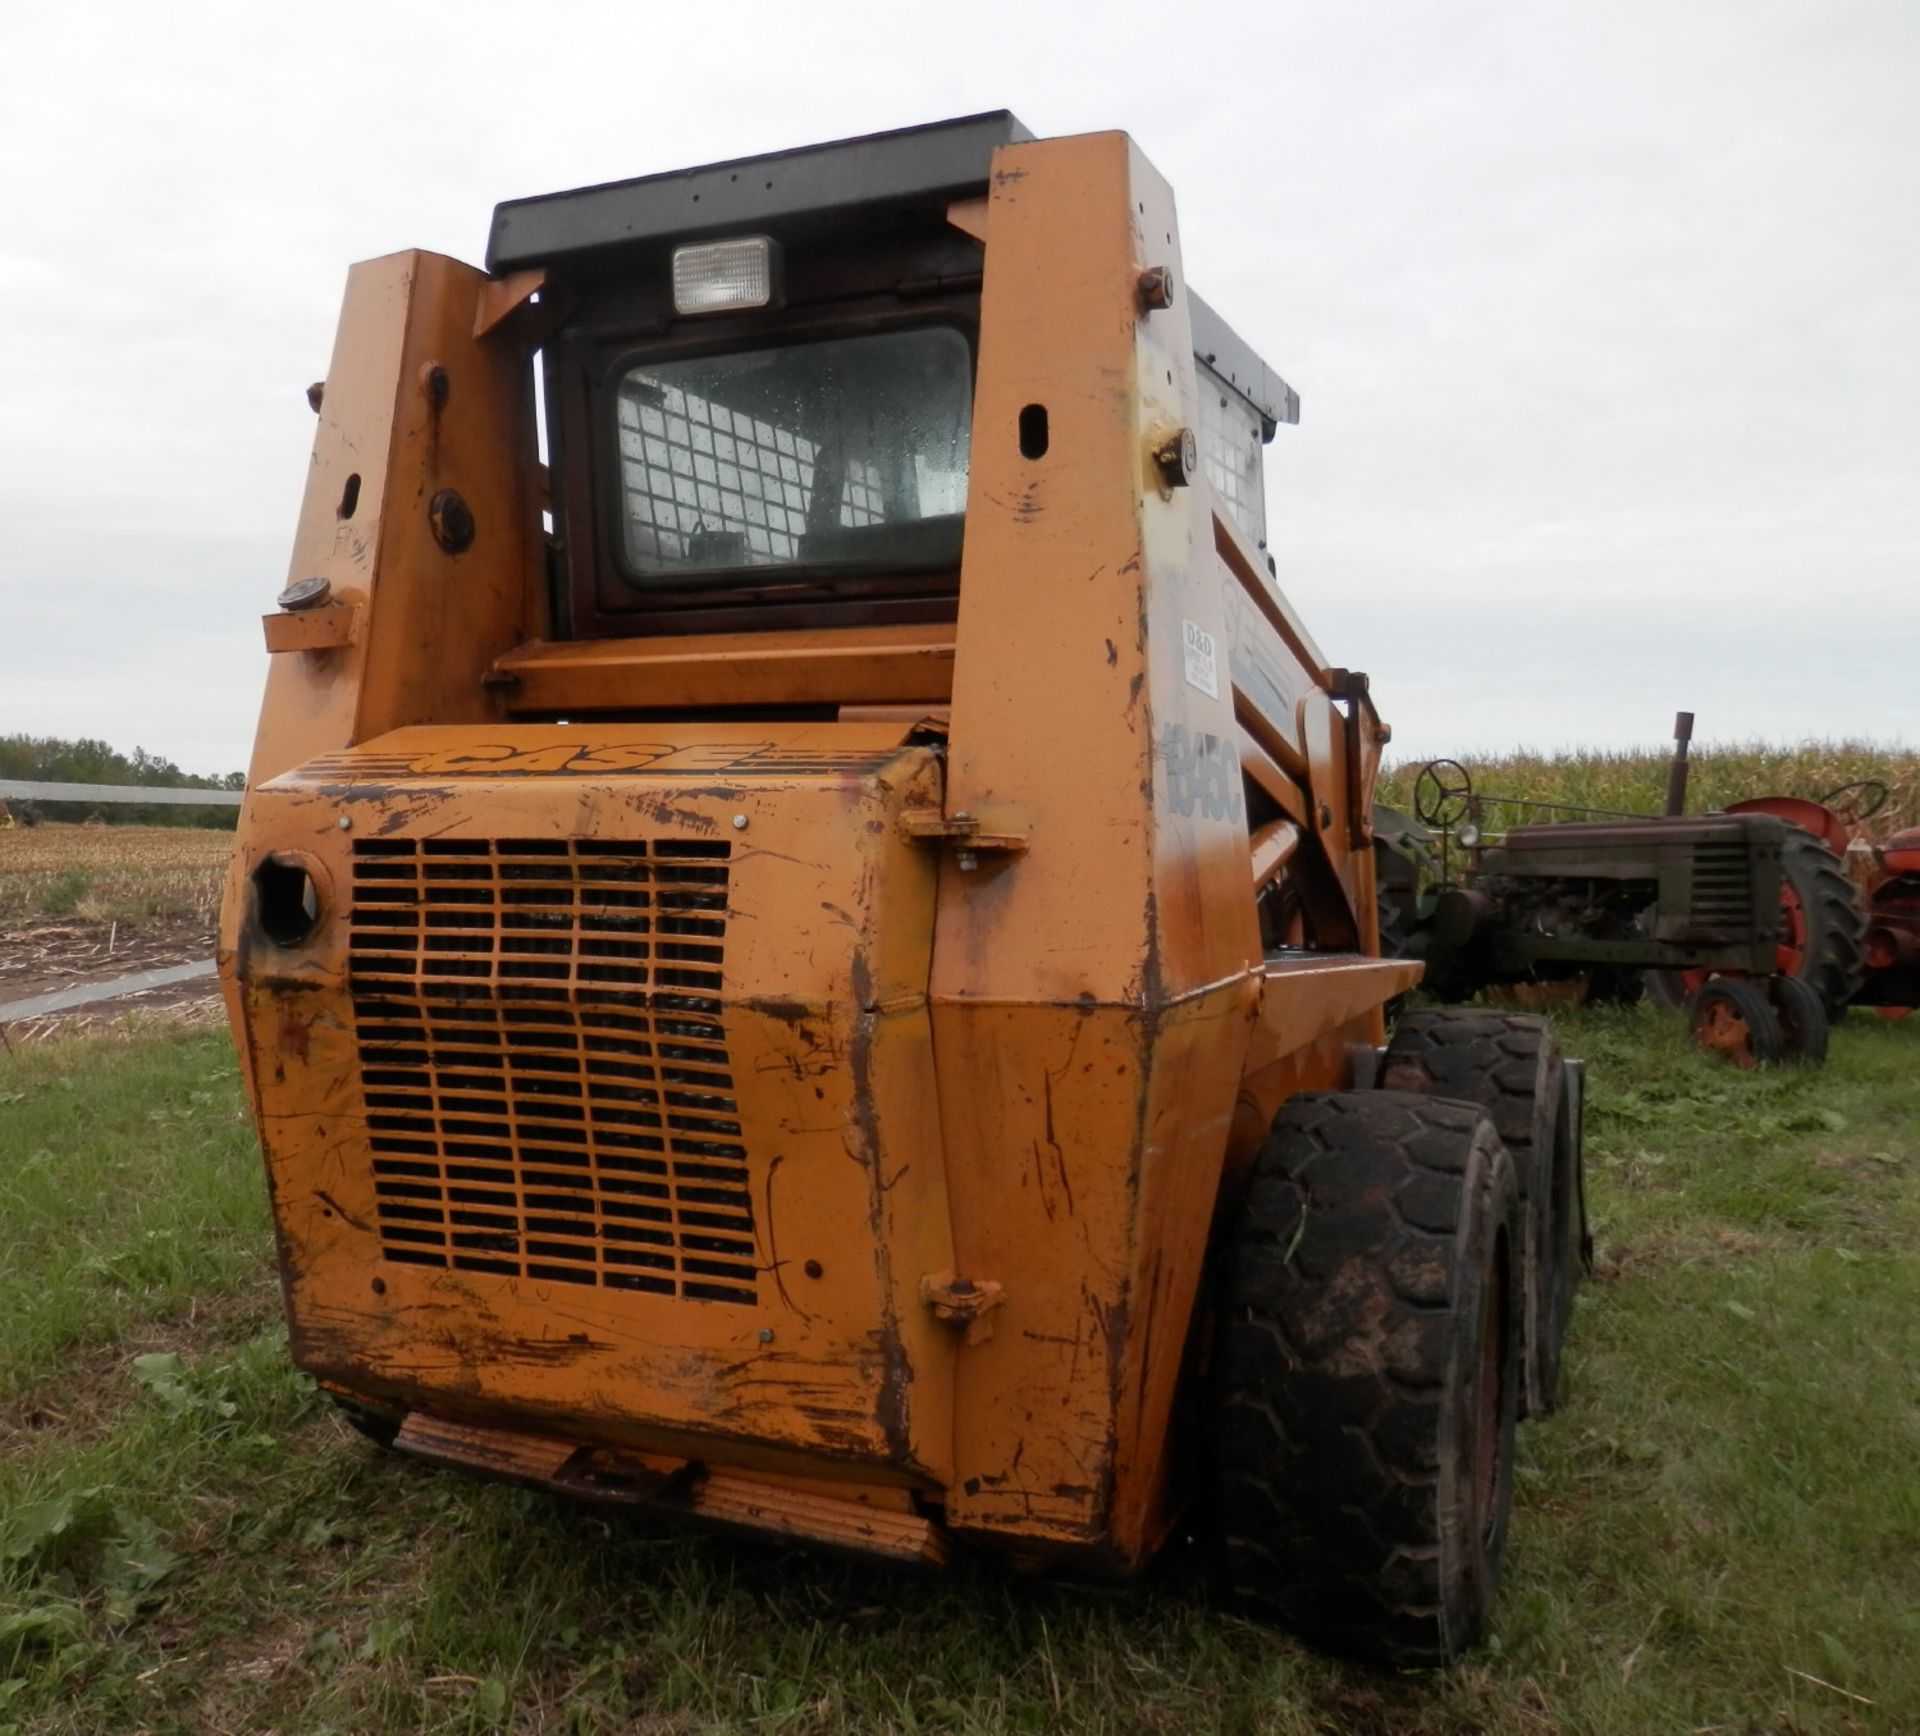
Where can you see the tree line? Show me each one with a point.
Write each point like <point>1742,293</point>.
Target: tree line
<point>54,759</point>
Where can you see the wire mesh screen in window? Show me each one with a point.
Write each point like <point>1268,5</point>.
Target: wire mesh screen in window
<point>704,481</point>
<point>1230,443</point>
<point>782,456</point>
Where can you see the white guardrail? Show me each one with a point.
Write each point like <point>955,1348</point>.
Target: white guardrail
<point>16,790</point>
<point>86,994</point>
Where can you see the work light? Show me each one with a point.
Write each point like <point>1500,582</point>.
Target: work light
<point>726,276</point>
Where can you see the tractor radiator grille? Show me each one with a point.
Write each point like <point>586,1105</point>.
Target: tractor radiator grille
<point>1723,885</point>
<point>548,1088</point>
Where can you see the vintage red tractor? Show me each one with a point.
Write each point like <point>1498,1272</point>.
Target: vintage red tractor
<point>1885,876</point>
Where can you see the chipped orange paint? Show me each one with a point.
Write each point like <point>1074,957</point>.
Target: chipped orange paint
<point>929,1074</point>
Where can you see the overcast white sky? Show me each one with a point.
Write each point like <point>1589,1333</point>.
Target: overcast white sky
<point>1605,318</point>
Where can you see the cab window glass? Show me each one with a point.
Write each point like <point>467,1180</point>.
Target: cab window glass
<point>1230,444</point>
<point>846,452</point>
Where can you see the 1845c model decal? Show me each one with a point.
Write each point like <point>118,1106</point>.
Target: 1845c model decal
<point>1202,773</point>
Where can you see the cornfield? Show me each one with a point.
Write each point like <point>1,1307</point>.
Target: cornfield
<point>1636,782</point>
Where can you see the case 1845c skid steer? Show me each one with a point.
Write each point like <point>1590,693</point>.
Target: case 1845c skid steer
<point>811,960</point>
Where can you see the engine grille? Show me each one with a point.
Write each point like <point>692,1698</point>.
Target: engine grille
<point>548,1089</point>
<point>1723,885</point>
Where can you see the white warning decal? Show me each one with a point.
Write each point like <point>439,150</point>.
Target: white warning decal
<point>1203,669</point>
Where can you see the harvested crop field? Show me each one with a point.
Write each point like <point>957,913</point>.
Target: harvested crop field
<point>51,956</point>
<point>86,905</point>
<point>110,873</point>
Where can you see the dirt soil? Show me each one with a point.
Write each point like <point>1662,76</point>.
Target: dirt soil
<point>47,955</point>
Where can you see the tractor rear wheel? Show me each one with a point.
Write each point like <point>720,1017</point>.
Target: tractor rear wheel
<point>1825,943</point>
<point>1367,1375</point>
<point>1508,1065</point>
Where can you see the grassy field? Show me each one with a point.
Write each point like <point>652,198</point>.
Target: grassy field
<point>1720,1532</point>
<point>111,873</point>
<point>1637,782</point>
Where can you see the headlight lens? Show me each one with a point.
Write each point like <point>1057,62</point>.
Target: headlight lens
<point>726,276</point>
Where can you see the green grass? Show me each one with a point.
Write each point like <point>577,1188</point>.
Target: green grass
<point>1728,1508</point>
<point>128,1196</point>
<point>62,895</point>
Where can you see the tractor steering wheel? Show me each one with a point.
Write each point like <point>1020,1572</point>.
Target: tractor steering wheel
<point>1857,801</point>
<point>1441,793</point>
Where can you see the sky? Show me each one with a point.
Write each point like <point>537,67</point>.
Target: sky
<point>1605,318</point>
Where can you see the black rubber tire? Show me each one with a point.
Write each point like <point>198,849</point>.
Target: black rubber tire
<point>1396,938</point>
<point>1508,1065</point>
<point>1366,1376</point>
<point>1804,1025</point>
<point>1834,960</point>
<point>1391,914</point>
<point>1741,1002</point>
<point>1666,989</point>
<point>1571,1252</point>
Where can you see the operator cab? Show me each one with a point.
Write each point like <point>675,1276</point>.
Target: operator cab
<point>759,379</point>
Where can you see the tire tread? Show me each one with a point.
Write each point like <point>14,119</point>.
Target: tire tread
<point>1331,1373</point>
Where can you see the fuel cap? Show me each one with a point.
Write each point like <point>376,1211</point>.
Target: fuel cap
<point>305,594</point>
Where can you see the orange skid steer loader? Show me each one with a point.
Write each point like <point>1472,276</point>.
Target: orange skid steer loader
<point>811,959</point>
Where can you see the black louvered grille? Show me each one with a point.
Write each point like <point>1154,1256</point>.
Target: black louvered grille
<point>548,1089</point>
<point>1723,885</point>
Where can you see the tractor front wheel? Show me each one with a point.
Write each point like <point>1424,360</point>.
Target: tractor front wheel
<point>1367,1375</point>
<point>1731,1017</point>
<point>1804,1025</point>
